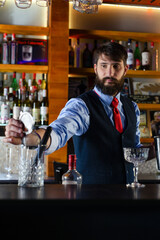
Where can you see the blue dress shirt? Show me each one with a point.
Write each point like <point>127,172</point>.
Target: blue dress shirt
<point>74,119</point>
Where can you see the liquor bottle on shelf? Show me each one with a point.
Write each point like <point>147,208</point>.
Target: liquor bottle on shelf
<point>5,49</point>
<point>11,101</point>
<point>93,51</point>
<point>78,54</point>
<point>44,109</point>
<point>154,57</point>
<point>34,86</point>
<point>17,105</point>
<point>43,84</point>
<point>5,108</point>
<point>71,54</point>
<point>27,105</point>
<point>137,57</point>
<point>36,109</point>
<point>130,58</point>
<point>87,57</point>
<point>24,84</point>
<point>72,176</point>
<point>146,58</point>
<point>1,84</point>
<point>6,81</point>
<point>13,50</point>
<point>14,83</point>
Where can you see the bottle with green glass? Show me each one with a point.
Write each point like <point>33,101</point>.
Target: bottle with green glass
<point>14,83</point>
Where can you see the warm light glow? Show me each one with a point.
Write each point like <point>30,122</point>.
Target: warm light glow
<point>131,6</point>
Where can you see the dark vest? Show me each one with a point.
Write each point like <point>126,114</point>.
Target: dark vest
<point>99,151</point>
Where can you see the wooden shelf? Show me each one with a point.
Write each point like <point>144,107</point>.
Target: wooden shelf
<point>130,73</point>
<point>147,140</point>
<point>149,106</point>
<point>115,35</point>
<point>23,68</point>
<point>24,30</point>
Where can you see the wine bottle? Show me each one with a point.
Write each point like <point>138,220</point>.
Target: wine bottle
<point>87,57</point>
<point>1,84</point>
<point>36,109</point>
<point>146,58</point>
<point>27,106</point>
<point>43,84</point>
<point>5,49</point>
<point>130,58</point>
<point>13,50</point>
<point>77,51</point>
<point>17,105</point>
<point>5,108</point>
<point>154,57</point>
<point>44,109</point>
<point>72,176</point>
<point>34,83</point>
<point>137,57</point>
<point>14,83</point>
<point>71,54</point>
<point>24,84</point>
<point>11,101</point>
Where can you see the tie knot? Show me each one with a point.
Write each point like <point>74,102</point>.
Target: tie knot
<point>114,102</point>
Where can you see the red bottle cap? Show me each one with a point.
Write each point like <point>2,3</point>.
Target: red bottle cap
<point>72,161</point>
<point>23,75</point>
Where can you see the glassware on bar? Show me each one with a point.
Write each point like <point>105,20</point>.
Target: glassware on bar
<point>23,3</point>
<point>84,8</point>
<point>136,156</point>
<point>43,3</point>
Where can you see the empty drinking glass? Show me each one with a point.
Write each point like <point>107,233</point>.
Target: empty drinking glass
<point>136,156</point>
<point>23,3</point>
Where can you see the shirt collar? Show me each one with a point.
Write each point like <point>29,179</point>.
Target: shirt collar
<point>107,99</point>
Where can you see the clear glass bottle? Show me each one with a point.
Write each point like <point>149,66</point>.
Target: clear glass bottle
<point>130,58</point>
<point>72,176</point>
<point>44,109</point>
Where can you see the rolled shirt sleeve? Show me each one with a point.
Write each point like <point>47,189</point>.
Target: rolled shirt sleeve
<point>73,120</point>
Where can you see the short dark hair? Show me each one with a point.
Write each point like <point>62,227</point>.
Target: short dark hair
<point>114,50</point>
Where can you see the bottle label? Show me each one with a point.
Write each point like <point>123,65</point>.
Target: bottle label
<point>44,113</point>
<point>13,53</point>
<point>5,111</point>
<point>145,58</point>
<point>36,114</point>
<point>130,59</point>
<point>138,64</point>
<point>65,182</point>
<point>5,53</point>
<point>16,112</point>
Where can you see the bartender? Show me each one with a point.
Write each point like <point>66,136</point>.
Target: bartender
<point>101,122</point>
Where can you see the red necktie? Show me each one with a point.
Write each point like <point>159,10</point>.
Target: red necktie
<point>116,115</point>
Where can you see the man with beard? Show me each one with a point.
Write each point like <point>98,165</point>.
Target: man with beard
<point>101,122</point>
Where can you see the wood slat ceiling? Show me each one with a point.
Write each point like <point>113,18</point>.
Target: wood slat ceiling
<point>153,3</point>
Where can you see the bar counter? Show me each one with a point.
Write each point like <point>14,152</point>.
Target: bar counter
<point>86,212</point>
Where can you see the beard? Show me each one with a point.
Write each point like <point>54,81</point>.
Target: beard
<point>115,88</point>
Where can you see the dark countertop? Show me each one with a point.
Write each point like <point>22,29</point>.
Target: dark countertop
<point>89,212</point>
<point>93,193</point>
